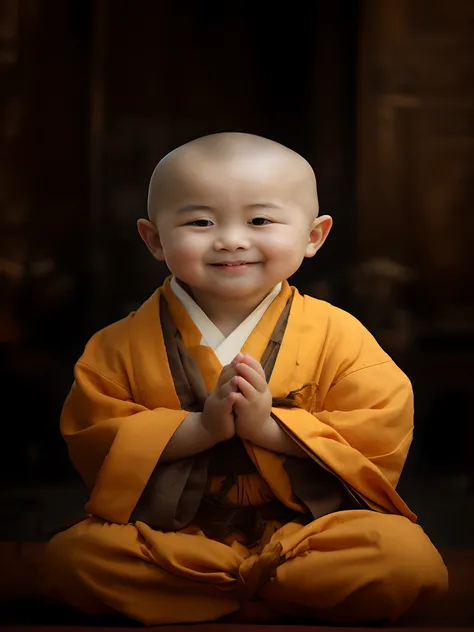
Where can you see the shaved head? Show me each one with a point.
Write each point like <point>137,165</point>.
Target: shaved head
<point>245,150</point>
<point>233,202</point>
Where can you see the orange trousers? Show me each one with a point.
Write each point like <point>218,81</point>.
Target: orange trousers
<point>347,567</point>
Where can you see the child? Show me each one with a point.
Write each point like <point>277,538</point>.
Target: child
<point>241,442</point>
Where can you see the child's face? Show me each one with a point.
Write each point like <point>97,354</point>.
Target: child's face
<point>235,228</point>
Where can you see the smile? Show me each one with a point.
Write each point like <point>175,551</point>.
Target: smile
<point>233,265</point>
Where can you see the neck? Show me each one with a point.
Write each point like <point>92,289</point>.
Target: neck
<point>225,313</point>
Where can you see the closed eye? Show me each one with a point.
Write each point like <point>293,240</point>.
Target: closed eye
<point>260,221</point>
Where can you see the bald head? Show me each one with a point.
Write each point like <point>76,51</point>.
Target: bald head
<point>244,154</point>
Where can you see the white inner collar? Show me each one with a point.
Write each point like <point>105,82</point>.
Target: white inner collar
<point>225,348</point>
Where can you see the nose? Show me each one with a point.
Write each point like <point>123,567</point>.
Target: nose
<point>232,238</point>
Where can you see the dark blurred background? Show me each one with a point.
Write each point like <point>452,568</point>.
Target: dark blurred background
<point>377,95</point>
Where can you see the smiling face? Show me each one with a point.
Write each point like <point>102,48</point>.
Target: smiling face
<point>232,227</point>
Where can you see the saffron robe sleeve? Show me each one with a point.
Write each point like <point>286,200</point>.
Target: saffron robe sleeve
<point>356,406</point>
<point>115,425</point>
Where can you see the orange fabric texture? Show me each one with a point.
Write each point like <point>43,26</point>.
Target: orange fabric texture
<point>355,417</point>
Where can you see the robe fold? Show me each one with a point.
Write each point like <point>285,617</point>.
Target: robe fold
<point>133,388</point>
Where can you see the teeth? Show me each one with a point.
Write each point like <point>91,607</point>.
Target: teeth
<point>231,265</point>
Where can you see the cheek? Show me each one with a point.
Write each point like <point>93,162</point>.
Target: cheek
<point>286,243</point>
<point>185,247</point>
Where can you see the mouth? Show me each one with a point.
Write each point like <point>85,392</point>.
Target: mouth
<point>232,264</point>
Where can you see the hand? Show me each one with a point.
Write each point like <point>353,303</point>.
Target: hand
<point>218,417</point>
<point>253,401</point>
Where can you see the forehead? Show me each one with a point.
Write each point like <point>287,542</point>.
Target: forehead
<point>248,174</point>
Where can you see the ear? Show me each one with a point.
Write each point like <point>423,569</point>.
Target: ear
<point>318,234</point>
<point>149,233</point>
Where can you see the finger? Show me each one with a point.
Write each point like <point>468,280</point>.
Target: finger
<point>229,387</point>
<point>226,374</point>
<point>255,364</point>
<point>238,358</point>
<point>245,388</point>
<point>238,402</point>
<point>252,376</point>
<point>233,397</point>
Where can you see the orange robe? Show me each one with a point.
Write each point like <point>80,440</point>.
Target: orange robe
<point>355,418</point>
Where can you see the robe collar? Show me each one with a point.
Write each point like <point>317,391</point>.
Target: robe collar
<point>225,347</point>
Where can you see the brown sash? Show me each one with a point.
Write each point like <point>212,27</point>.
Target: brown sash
<point>174,492</point>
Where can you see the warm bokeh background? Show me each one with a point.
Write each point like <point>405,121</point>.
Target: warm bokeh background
<point>377,95</point>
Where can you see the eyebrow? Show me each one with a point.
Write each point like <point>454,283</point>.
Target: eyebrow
<point>189,208</point>
<point>265,205</point>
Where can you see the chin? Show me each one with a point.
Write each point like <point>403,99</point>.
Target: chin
<point>247,294</point>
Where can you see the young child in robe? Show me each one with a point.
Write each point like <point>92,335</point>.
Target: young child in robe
<point>242,443</point>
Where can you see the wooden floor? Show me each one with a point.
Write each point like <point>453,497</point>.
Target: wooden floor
<point>228,627</point>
